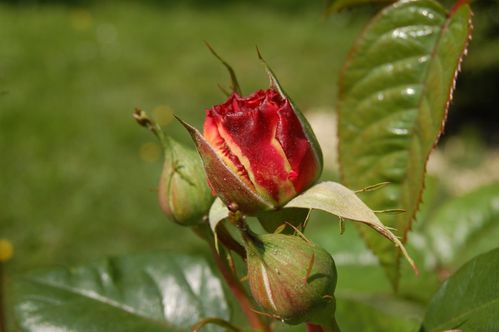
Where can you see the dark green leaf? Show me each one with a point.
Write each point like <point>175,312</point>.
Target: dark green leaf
<point>465,226</point>
<point>148,292</point>
<point>361,312</point>
<point>393,100</point>
<point>469,300</point>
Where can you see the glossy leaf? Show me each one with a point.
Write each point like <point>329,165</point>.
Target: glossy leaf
<point>377,312</point>
<point>336,199</point>
<point>468,300</point>
<point>465,226</point>
<point>148,292</point>
<point>393,100</point>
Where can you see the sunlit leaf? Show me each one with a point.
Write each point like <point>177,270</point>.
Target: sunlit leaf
<point>342,202</point>
<point>148,292</point>
<point>468,300</point>
<point>393,100</point>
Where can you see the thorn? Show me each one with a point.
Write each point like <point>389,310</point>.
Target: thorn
<point>307,219</point>
<point>342,225</point>
<point>391,211</point>
<point>217,248</point>
<point>328,297</point>
<point>300,234</point>
<point>372,187</point>
<point>264,313</point>
<point>309,268</point>
<point>281,228</point>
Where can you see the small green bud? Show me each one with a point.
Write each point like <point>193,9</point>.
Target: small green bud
<point>292,279</point>
<point>183,191</point>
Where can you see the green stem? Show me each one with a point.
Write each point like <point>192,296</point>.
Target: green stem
<point>232,281</point>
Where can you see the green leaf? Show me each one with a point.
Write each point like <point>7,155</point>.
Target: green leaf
<point>336,199</point>
<point>144,292</point>
<point>393,100</point>
<point>468,300</point>
<point>334,6</point>
<point>465,226</point>
<point>377,312</point>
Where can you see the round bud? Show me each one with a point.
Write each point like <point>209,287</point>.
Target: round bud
<point>184,194</point>
<point>291,278</point>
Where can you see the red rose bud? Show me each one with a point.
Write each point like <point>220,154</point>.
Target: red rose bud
<point>258,151</point>
<point>183,193</point>
<point>292,279</point>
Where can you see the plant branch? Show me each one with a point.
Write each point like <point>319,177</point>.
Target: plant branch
<point>232,281</point>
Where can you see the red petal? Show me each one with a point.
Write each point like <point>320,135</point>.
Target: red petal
<point>297,147</point>
<point>249,125</point>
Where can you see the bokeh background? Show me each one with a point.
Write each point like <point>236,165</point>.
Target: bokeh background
<point>78,177</point>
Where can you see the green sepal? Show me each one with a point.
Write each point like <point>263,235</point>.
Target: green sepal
<point>307,128</point>
<point>230,187</point>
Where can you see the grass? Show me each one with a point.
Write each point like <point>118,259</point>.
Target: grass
<point>73,184</point>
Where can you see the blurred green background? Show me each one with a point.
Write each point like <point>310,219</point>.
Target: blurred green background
<point>78,176</point>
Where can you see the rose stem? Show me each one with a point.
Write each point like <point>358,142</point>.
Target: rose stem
<point>232,281</point>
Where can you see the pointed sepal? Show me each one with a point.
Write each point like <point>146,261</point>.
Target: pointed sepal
<point>230,188</point>
<point>307,128</point>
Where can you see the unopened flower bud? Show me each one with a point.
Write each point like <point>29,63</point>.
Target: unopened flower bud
<point>292,279</point>
<point>259,151</point>
<point>183,192</point>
